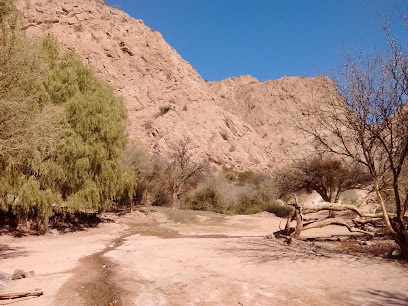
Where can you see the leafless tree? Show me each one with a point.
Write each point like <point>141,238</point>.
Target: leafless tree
<point>183,168</point>
<point>367,121</point>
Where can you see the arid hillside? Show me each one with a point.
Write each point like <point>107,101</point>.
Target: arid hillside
<point>239,121</point>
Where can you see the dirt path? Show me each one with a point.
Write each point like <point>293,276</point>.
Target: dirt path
<point>205,260</point>
<point>93,280</point>
<point>54,258</point>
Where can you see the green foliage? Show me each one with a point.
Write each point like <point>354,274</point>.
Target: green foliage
<point>234,192</point>
<point>231,192</point>
<point>279,209</point>
<point>151,174</point>
<point>8,21</point>
<point>96,136</point>
<point>62,130</point>
<point>208,198</point>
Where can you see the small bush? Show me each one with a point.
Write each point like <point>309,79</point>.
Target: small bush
<point>209,198</point>
<point>234,192</point>
<point>280,210</point>
<point>163,110</point>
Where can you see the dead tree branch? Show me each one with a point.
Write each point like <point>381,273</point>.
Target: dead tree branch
<point>334,221</point>
<point>17,295</point>
<point>341,207</point>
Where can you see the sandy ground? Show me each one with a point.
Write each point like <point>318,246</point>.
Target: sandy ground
<point>203,260</point>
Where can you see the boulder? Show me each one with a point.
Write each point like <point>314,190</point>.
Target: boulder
<point>19,274</point>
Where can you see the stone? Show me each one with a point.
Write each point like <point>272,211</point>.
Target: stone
<point>4,276</point>
<point>19,274</point>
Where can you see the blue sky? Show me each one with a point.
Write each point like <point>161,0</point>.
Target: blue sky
<point>267,38</point>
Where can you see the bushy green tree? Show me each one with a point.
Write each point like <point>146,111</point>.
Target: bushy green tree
<point>95,137</point>
<point>62,129</point>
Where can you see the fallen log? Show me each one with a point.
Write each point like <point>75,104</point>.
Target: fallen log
<point>341,207</point>
<point>366,221</point>
<point>17,295</point>
<point>327,222</point>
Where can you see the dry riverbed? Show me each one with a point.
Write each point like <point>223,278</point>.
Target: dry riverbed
<point>191,258</point>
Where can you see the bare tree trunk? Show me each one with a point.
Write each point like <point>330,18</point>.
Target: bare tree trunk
<point>404,250</point>
<point>384,210</point>
<point>327,222</point>
<point>400,228</point>
<point>397,228</point>
<point>294,214</point>
<point>297,214</point>
<point>299,223</point>
<point>342,207</point>
<point>17,295</point>
<point>174,200</point>
<point>289,220</point>
<point>175,203</point>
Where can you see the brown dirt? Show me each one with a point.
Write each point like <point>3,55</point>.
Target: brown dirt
<point>93,279</point>
<point>210,260</point>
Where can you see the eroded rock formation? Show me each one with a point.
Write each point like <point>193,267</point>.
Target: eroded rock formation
<point>239,121</point>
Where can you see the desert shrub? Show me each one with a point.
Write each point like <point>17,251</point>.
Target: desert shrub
<point>150,172</point>
<point>249,203</point>
<point>243,177</point>
<point>163,110</point>
<point>260,197</point>
<point>228,194</point>
<point>208,197</point>
<point>278,208</point>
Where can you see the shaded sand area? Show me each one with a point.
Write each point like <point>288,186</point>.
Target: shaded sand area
<point>191,258</point>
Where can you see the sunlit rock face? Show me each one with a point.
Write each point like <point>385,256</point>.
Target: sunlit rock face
<point>240,121</point>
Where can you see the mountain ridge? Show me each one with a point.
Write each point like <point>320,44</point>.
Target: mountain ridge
<point>240,121</point>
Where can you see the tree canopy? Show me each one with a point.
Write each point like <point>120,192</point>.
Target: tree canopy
<point>328,176</point>
<point>62,129</point>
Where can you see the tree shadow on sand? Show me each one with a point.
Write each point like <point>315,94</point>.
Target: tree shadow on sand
<point>266,250</point>
<point>7,252</point>
<point>74,222</point>
<point>61,222</point>
<point>382,297</point>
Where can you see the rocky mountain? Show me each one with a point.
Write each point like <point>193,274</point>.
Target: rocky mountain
<point>239,121</point>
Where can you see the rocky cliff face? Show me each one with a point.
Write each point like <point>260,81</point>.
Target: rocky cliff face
<point>239,121</point>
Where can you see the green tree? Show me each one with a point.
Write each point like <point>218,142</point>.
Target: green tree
<point>95,137</point>
<point>62,129</point>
